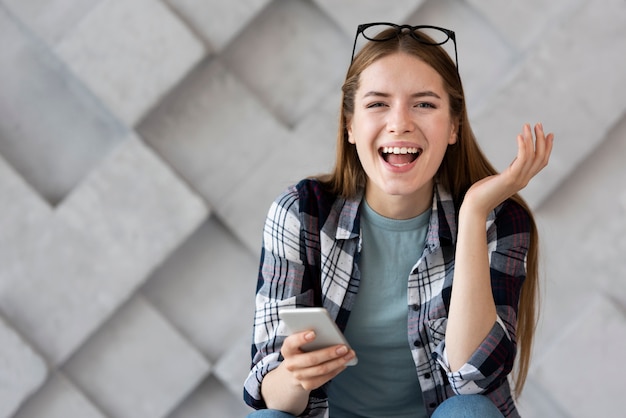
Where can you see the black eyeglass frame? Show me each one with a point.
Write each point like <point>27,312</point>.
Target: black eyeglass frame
<point>411,30</point>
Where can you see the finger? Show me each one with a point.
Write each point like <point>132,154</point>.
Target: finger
<point>297,358</point>
<point>339,354</point>
<point>291,345</point>
<point>549,147</point>
<point>321,372</point>
<point>540,141</point>
<point>543,147</point>
<point>535,147</point>
<point>540,147</point>
<point>525,150</point>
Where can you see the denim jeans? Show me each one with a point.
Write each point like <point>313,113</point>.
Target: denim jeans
<point>467,406</point>
<point>462,406</point>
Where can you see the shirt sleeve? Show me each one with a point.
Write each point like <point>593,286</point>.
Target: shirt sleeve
<point>508,236</point>
<point>280,284</point>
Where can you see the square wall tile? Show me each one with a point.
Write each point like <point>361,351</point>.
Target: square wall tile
<point>23,370</point>
<point>351,13</point>
<point>130,53</point>
<point>137,365</point>
<point>206,288</point>
<point>289,56</point>
<point>523,23</point>
<point>213,131</point>
<point>218,21</point>
<point>594,343</point>
<point>212,399</point>
<point>59,398</point>
<point>547,87</point>
<point>233,367</point>
<point>50,19</point>
<point>66,271</point>
<point>53,131</point>
<point>308,151</point>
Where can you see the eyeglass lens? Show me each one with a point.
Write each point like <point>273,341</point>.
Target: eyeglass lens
<point>433,36</point>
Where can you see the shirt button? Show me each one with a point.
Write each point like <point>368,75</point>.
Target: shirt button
<point>427,375</point>
<point>416,307</point>
<point>417,343</point>
<point>432,404</point>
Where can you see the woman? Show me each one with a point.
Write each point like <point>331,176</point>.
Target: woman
<point>425,256</point>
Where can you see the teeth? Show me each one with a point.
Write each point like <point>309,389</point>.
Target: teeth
<point>400,150</point>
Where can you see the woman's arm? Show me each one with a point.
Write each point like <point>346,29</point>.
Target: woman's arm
<point>282,376</point>
<point>472,308</point>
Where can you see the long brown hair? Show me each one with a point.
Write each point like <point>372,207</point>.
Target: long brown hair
<point>464,164</point>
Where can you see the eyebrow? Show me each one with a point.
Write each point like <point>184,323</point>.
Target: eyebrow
<point>427,93</point>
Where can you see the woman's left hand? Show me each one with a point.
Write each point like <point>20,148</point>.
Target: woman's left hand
<point>532,156</point>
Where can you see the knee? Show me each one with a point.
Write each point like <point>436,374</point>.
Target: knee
<point>467,406</point>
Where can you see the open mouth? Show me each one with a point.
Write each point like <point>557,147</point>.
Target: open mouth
<point>399,156</point>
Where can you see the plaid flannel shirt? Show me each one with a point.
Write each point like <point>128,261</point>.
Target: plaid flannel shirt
<point>311,247</point>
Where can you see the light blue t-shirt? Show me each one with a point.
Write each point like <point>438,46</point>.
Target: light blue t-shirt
<point>384,383</point>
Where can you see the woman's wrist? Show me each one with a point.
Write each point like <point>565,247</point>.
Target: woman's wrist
<point>281,392</point>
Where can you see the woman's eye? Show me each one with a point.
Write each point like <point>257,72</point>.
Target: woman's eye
<point>425,105</point>
<point>375,104</point>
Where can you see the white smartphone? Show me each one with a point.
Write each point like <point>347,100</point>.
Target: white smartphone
<point>327,333</point>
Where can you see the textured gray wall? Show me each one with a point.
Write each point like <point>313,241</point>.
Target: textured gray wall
<point>141,143</point>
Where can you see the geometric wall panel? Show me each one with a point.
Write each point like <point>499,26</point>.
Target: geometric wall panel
<point>59,398</point>
<point>205,283</point>
<point>234,365</point>
<point>537,402</point>
<point>217,21</point>
<point>309,149</point>
<point>348,14</point>
<point>23,370</point>
<point>137,365</point>
<point>268,57</point>
<point>118,50</point>
<point>50,19</point>
<point>588,209</point>
<point>66,271</point>
<point>584,299</point>
<point>523,24</point>
<point>559,84</point>
<point>212,399</point>
<point>53,131</point>
<point>603,325</point>
<point>196,131</point>
<point>142,143</point>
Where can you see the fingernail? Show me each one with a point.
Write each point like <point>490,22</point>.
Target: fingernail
<point>342,350</point>
<point>309,336</point>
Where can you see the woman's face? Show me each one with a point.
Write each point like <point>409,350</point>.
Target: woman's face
<point>401,128</point>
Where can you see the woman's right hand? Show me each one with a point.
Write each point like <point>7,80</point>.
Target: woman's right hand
<point>287,387</point>
<point>313,369</point>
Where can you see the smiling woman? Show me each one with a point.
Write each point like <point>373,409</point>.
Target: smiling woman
<point>400,103</point>
<point>423,254</point>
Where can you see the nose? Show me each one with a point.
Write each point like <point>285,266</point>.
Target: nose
<point>400,121</point>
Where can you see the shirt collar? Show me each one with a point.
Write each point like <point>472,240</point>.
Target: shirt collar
<point>442,228</point>
<point>348,226</point>
<point>442,224</point>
